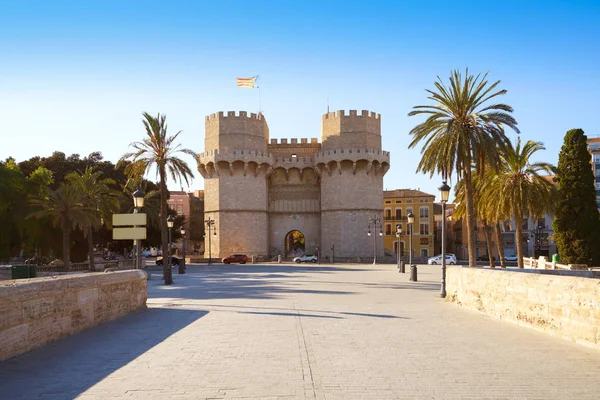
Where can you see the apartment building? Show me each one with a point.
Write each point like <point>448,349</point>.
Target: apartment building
<point>397,204</point>
<point>594,148</point>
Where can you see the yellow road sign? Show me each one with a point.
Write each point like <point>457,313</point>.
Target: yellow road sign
<point>129,219</point>
<point>129,233</point>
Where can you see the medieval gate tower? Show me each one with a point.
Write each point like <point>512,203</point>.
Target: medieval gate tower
<point>270,197</point>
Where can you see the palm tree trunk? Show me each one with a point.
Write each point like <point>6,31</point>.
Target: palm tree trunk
<point>164,233</point>
<point>90,241</point>
<point>519,238</point>
<point>67,247</point>
<point>470,216</point>
<point>499,244</point>
<point>488,242</point>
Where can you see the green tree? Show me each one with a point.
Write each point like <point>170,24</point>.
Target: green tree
<point>577,222</point>
<point>66,208</point>
<point>462,130</point>
<point>518,189</point>
<point>13,184</point>
<point>99,198</point>
<point>159,150</point>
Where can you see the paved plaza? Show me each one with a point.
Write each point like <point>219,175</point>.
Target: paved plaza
<point>303,332</point>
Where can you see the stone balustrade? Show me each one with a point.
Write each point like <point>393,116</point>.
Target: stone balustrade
<point>34,312</point>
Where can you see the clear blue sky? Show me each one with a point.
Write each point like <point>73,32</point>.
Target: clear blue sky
<point>76,76</point>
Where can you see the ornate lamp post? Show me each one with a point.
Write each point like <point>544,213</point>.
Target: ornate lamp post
<point>182,262</point>
<point>170,223</point>
<point>444,194</point>
<point>138,202</point>
<point>210,225</point>
<point>398,256</point>
<point>410,217</point>
<point>374,222</point>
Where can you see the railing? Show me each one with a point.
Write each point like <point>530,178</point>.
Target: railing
<point>543,263</point>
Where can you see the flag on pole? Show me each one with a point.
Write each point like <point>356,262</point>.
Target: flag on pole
<point>247,82</point>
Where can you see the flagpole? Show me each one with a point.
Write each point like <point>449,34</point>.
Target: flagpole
<point>258,87</point>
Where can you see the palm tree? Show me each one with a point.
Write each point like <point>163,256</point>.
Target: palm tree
<point>462,131</point>
<point>518,189</point>
<point>99,198</point>
<point>158,149</point>
<point>67,210</point>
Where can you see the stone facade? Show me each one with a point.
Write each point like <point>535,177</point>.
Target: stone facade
<point>270,197</point>
<point>37,311</point>
<point>565,306</point>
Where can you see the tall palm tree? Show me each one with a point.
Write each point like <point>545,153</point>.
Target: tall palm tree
<point>151,201</point>
<point>158,150</point>
<point>99,198</point>
<point>461,130</point>
<point>67,210</point>
<point>518,189</point>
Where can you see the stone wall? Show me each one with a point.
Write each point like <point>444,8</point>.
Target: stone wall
<point>34,312</point>
<point>565,306</point>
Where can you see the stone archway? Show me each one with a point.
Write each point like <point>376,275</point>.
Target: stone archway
<point>294,244</point>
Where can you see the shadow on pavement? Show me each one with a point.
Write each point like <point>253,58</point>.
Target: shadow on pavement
<point>68,367</point>
<point>293,312</point>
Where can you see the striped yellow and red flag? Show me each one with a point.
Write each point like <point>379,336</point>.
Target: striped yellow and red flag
<point>247,82</point>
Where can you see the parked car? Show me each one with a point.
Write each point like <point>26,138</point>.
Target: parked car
<point>485,257</point>
<point>174,260</point>
<point>450,259</point>
<point>511,257</point>
<point>241,258</point>
<point>37,260</point>
<point>306,258</point>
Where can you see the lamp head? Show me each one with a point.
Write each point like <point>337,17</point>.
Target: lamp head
<point>410,217</point>
<point>138,199</point>
<point>170,221</point>
<point>444,191</point>
<point>182,230</point>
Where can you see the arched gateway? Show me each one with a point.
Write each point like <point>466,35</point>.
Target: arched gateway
<point>294,244</point>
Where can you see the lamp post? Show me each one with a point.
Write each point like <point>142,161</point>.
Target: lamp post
<point>398,256</point>
<point>539,229</point>
<point>410,217</point>
<point>167,257</point>
<point>374,222</point>
<point>210,225</point>
<point>182,262</point>
<point>138,202</point>
<point>444,194</point>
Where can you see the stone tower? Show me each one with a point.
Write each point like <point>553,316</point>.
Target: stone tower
<point>351,164</point>
<point>270,197</point>
<point>234,167</point>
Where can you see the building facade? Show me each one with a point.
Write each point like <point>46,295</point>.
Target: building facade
<point>191,207</point>
<point>271,197</point>
<point>594,148</point>
<point>397,204</point>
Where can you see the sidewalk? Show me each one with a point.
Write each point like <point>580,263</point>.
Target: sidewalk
<point>304,332</point>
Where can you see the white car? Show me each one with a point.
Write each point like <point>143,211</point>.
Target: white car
<point>510,258</point>
<point>450,259</point>
<point>306,258</point>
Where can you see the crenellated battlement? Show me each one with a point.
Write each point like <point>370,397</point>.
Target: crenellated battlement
<point>294,141</point>
<point>232,114</point>
<point>352,113</point>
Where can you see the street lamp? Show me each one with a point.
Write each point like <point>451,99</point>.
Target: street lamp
<point>168,272</point>
<point>210,225</point>
<point>374,222</point>
<point>182,262</point>
<point>138,202</point>
<point>410,217</point>
<point>444,194</point>
<point>400,263</point>
<point>538,239</point>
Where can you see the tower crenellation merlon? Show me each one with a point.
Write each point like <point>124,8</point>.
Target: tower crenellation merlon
<point>352,129</point>
<point>241,130</point>
<point>232,114</point>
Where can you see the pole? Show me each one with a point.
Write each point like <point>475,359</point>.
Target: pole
<point>169,259</point>
<point>182,262</point>
<point>375,242</point>
<point>443,290</point>
<point>398,250</point>
<point>410,246</point>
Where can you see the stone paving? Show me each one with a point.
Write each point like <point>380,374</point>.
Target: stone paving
<point>304,332</point>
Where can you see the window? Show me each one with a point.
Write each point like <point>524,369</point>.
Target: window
<point>409,201</point>
<point>409,210</point>
<point>179,209</point>
<point>294,155</point>
<point>424,253</point>
<point>424,212</point>
<point>398,201</point>
<point>388,213</point>
<point>388,229</point>
<point>424,229</point>
<point>388,202</point>
<point>525,220</point>
<point>398,213</point>
<point>398,226</point>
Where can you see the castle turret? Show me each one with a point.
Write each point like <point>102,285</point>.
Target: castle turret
<point>234,166</point>
<point>352,165</point>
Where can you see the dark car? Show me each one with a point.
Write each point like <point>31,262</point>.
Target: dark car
<point>174,260</point>
<point>37,260</point>
<point>241,258</point>
<point>485,257</point>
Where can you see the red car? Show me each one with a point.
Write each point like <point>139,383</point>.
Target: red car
<point>241,258</point>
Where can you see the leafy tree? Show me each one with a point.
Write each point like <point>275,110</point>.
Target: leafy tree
<point>577,222</point>
<point>518,189</point>
<point>462,130</point>
<point>99,198</point>
<point>158,150</point>
<point>66,208</point>
<point>13,184</point>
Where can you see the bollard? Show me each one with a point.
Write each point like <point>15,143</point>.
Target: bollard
<point>279,258</point>
<point>413,273</point>
<point>402,269</point>
<point>253,260</point>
